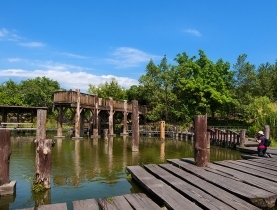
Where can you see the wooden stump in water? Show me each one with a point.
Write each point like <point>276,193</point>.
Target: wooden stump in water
<point>43,152</point>
<point>5,153</point>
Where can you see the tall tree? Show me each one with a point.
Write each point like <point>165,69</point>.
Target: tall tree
<point>157,87</point>
<point>245,80</point>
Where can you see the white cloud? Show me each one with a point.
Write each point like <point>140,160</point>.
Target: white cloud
<point>193,32</point>
<point>13,60</point>
<point>124,57</point>
<point>73,55</point>
<point>32,44</point>
<point>69,80</point>
<point>8,35</point>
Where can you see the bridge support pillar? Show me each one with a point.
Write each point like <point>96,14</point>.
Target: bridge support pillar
<point>77,116</point>
<point>135,126</point>
<point>111,113</point>
<point>60,122</point>
<point>125,114</point>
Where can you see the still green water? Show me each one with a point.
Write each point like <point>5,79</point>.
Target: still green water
<point>91,168</point>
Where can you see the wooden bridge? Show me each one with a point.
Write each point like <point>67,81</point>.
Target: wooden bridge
<point>90,109</point>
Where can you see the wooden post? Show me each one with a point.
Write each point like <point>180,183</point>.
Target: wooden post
<point>106,134</point>
<point>43,151</point>
<point>267,131</point>
<point>111,112</point>
<point>125,114</point>
<point>135,126</point>
<point>5,153</point>
<point>200,143</point>
<point>216,136</point>
<point>60,122</point>
<point>77,115</point>
<point>208,146</point>
<point>162,134</point>
<point>95,118</point>
<point>242,137</point>
<point>208,140</point>
<point>82,123</point>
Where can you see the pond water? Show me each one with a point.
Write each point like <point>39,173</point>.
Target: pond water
<point>91,168</point>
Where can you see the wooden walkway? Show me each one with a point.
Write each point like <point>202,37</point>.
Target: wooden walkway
<point>179,184</point>
<point>241,184</point>
<point>136,201</point>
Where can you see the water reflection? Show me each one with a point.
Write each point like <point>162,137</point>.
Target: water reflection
<point>92,167</point>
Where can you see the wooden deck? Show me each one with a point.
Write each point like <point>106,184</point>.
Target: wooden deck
<point>179,184</point>
<point>136,201</point>
<point>241,184</point>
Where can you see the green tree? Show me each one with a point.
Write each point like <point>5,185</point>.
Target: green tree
<point>202,85</point>
<point>39,91</point>
<point>245,80</point>
<point>157,88</point>
<point>11,94</point>
<point>266,81</point>
<point>109,89</point>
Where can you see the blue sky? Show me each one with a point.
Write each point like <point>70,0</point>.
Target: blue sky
<point>88,42</point>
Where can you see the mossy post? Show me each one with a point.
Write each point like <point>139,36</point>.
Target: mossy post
<point>43,153</point>
<point>200,142</point>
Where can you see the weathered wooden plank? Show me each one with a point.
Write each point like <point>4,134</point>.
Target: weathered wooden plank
<point>57,206</point>
<point>247,170</point>
<point>266,165</point>
<point>114,203</point>
<point>270,161</point>
<point>258,197</point>
<point>85,204</point>
<point>262,183</point>
<point>202,199</point>
<point>171,198</point>
<point>141,201</point>
<point>26,209</point>
<point>224,196</point>
<point>257,168</point>
<point>248,157</point>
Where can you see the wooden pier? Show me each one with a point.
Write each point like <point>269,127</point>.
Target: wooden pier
<point>179,184</point>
